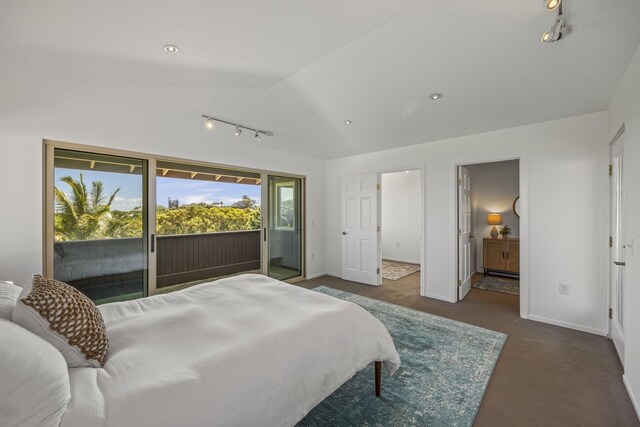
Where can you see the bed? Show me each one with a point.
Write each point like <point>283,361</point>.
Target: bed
<point>242,351</point>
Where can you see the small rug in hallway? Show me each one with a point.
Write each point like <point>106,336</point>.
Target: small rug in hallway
<point>392,270</point>
<point>446,366</point>
<point>498,284</point>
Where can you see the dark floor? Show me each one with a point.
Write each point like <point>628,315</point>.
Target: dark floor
<point>546,375</point>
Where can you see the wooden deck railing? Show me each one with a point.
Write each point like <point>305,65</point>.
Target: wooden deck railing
<point>191,257</point>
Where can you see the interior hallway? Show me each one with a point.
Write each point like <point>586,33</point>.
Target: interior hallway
<point>545,376</point>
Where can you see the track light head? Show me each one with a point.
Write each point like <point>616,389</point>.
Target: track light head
<point>238,130</point>
<point>555,33</point>
<point>552,4</point>
<point>210,124</point>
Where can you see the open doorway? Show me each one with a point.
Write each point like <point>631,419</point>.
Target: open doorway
<point>401,240</point>
<point>489,228</point>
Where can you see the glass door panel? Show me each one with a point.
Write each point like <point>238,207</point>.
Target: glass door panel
<point>100,224</point>
<point>285,227</point>
<point>208,224</point>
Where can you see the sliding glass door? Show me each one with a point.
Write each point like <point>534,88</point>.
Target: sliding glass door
<point>122,225</point>
<point>99,224</point>
<point>284,234</point>
<point>207,222</point>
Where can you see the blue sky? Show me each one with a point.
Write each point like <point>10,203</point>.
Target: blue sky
<point>186,191</point>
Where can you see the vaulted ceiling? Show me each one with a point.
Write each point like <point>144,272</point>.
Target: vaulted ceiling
<point>301,68</point>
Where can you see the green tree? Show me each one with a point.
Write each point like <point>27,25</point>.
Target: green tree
<point>204,218</point>
<point>125,223</point>
<point>245,203</point>
<point>82,214</point>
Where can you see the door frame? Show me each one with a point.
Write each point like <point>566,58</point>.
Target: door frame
<point>610,252</point>
<point>148,190</point>
<point>423,216</point>
<point>265,218</point>
<point>521,156</point>
<point>48,146</point>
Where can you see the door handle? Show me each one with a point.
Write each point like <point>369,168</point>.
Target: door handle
<point>344,233</point>
<point>153,243</point>
<point>621,264</point>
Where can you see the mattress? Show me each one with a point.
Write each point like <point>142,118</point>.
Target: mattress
<point>242,351</point>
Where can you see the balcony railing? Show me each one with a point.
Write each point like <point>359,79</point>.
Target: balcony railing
<point>191,257</point>
<point>104,268</point>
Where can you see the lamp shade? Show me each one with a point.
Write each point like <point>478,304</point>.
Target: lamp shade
<point>494,219</point>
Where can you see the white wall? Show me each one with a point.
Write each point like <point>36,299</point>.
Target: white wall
<point>401,206</point>
<point>119,117</point>
<point>494,187</point>
<point>625,109</point>
<point>565,160</point>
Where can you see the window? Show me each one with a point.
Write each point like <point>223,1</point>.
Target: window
<point>285,212</point>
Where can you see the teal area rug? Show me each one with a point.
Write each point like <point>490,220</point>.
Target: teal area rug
<point>498,284</point>
<point>446,366</point>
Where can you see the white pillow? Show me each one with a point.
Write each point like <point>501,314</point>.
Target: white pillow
<point>66,319</point>
<point>8,296</point>
<point>35,389</point>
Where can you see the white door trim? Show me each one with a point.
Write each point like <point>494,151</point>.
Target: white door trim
<point>521,156</point>
<point>611,252</point>
<point>423,217</point>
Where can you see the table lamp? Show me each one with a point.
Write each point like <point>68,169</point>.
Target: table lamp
<point>494,219</point>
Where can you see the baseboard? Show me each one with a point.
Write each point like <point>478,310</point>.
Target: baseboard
<point>634,401</point>
<point>568,325</point>
<point>313,276</point>
<point>439,297</point>
<point>401,260</point>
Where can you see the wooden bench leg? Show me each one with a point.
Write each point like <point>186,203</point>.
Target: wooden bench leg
<point>378,377</point>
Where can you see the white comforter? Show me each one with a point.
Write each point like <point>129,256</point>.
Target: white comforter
<point>243,351</point>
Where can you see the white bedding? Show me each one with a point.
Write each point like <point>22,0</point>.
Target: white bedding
<point>243,351</point>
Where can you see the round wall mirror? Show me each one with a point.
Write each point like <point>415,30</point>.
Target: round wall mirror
<point>516,206</point>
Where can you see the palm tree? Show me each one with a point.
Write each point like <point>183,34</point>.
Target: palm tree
<point>82,215</point>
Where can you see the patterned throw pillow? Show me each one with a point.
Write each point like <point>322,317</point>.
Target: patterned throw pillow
<point>66,318</point>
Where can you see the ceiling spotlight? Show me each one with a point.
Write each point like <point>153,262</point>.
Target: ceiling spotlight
<point>555,33</point>
<point>257,136</point>
<point>171,48</point>
<point>347,122</point>
<point>238,130</point>
<point>210,124</point>
<point>435,96</point>
<point>552,4</point>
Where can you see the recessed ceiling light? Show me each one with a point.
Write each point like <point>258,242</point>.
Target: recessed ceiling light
<point>435,96</point>
<point>171,48</point>
<point>347,122</point>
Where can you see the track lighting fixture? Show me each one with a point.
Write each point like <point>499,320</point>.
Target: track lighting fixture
<point>559,27</point>
<point>258,133</point>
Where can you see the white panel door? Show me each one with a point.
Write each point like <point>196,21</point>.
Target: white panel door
<point>618,247</point>
<point>464,232</point>
<point>360,231</point>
